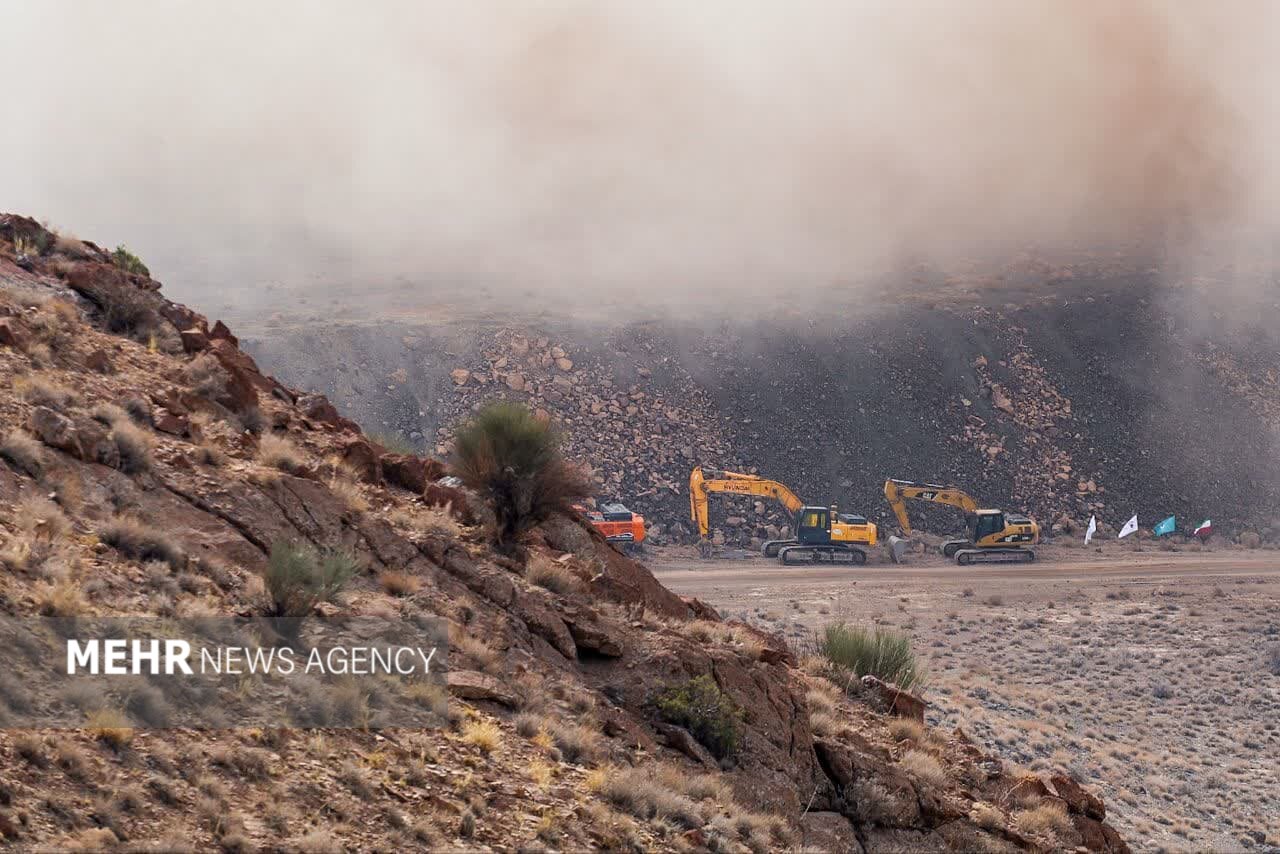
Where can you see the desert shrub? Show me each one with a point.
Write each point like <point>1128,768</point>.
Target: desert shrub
<point>127,310</point>
<point>42,391</point>
<point>108,414</point>
<point>297,577</point>
<point>513,460</point>
<point>550,575</point>
<point>130,263</point>
<point>137,540</point>
<point>577,744</point>
<point>708,713</point>
<point>134,446</point>
<point>24,452</point>
<point>881,653</point>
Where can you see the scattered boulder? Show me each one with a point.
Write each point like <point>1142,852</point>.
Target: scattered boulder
<point>473,685</point>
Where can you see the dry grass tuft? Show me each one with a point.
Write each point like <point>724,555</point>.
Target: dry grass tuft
<point>42,391</point>
<point>350,493</point>
<point>550,575</point>
<point>139,541</point>
<point>484,734</point>
<point>23,451</point>
<point>428,521</point>
<point>63,599</point>
<point>1048,821</point>
<point>399,583</point>
<point>988,816</point>
<point>110,727</point>
<point>134,445</point>
<point>925,767</point>
<point>39,518</point>
<point>906,729</point>
<point>278,452</point>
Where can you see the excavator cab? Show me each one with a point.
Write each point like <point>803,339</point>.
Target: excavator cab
<point>985,523</point>
<point>813,525</point>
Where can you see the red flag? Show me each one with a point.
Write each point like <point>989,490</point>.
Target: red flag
<point>1204,529</point>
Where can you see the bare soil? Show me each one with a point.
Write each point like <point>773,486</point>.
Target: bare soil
<point>1153,676</point>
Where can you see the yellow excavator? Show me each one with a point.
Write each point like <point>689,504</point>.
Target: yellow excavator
<point>822,534</point>
<point>993,535</point>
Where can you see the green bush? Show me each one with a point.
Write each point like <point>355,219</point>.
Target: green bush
<point>297,577</point>
<point>884,654</point>
<point>130,263</point>
<point>708,713</point>
<point>513,460</point>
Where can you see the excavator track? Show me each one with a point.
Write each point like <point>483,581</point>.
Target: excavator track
<point>772,547</point>
<point>964,557</point>
<point>794,555</point>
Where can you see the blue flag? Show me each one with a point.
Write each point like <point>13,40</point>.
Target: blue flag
<point>1165,527</point>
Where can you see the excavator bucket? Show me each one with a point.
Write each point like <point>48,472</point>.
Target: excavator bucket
<point>898,549</point>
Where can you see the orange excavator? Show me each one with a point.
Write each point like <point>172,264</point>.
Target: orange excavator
<point>822,534</point>
<point>616,524</point>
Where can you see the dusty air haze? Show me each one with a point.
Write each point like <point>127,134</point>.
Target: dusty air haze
<point>723,147</point>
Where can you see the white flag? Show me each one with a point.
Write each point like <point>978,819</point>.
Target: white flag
<point>1093,529</point>
<point>1129,527</point>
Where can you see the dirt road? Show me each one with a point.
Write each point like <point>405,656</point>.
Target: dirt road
<point>712,579</point>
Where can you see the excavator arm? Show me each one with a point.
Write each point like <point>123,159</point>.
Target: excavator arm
<point>703,484</point>
<point>899,492</point>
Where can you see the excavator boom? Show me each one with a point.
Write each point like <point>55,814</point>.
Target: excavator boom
<point>898,492</point>
<point>701,484</point>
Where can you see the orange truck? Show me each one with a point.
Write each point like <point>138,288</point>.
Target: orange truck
<point>616,524</point>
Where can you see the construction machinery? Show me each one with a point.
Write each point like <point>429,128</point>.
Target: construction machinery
<point>616,524</point>
<point>822,535</point>
<point>993,535</point>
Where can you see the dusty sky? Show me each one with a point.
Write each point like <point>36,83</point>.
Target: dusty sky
<point>655,148</point>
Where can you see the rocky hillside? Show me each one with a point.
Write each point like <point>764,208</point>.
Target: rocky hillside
<point>1079,392</point>
<point>148,469</point>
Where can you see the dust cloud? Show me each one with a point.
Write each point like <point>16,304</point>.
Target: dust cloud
<point>646,150</point>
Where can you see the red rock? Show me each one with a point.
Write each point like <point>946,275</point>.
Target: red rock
<point>473,685</point>
<point>411,472</point>
<point>241,393</point>
<point>10,335</point>
<point>194,340</point>
<point>1030,788</point>
<point>167,422</point>
<point>221,331</point>
<point>361,456</point>
<point>901,703</point>
<point>1079,800</point>
<point>460,376</point>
